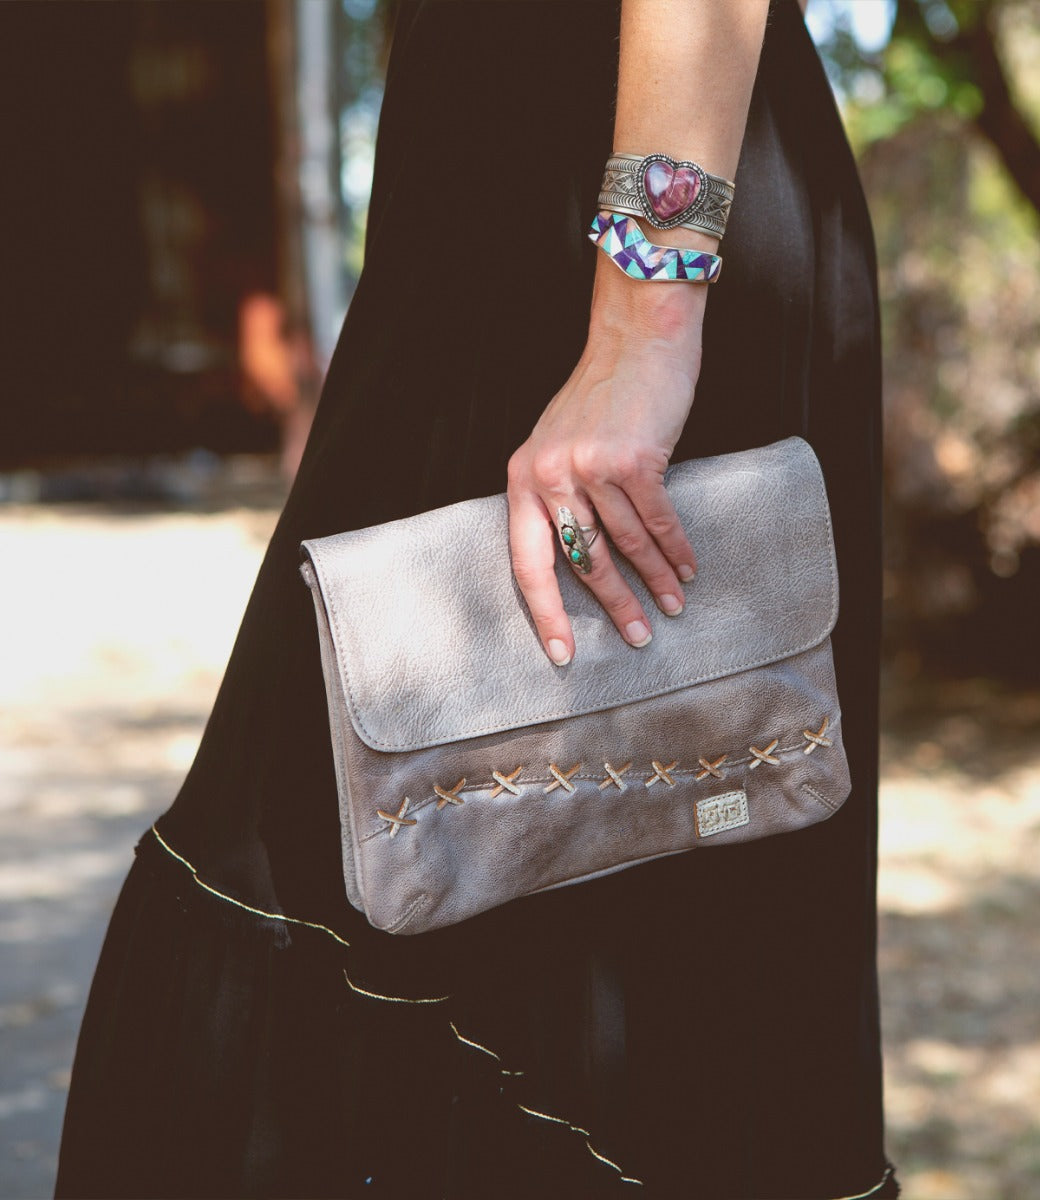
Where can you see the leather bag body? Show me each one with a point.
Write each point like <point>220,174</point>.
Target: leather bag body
<point>472,771</point>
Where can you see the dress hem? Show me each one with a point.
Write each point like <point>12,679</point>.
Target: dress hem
<point>367,993</point>
<point>384,998</point>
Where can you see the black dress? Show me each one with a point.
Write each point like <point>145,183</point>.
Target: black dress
<point>661,1025</point>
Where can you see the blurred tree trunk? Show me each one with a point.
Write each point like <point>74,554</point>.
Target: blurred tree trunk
<point>972,53</point>
<point>287,341</point>
<point>281,48</point>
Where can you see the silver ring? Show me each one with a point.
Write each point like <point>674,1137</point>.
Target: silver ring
<point>576,539</point>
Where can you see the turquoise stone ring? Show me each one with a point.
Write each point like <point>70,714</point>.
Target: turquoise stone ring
<point>576,539</point>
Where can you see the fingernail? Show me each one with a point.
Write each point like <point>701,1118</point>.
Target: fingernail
<point>685,572</point>
<point>638,633</point>
<point>672,605</point>
<point>558,652</point>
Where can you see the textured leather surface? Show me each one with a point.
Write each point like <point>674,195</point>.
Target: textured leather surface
<point>435,644</point>
<point>729,733</point>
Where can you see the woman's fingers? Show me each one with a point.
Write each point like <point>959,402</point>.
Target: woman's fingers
<point>642,523</point>
<point>532,542</point>
<point>603,578</point>
<point>658,516</point>
<point>644,544</point>
<point>618,600</point>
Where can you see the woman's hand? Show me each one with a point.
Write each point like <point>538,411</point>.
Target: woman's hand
<point>601,448</point>
<point>602,445</point>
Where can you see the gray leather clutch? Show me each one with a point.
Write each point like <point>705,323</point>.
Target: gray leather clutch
<point>472,771</point>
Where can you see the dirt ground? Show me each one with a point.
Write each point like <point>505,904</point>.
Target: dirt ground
<point>959,889</point>
<point>115,622</point>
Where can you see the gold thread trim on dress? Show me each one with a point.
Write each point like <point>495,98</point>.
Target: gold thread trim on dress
<point>392,999</point>
<point>475,1045</point>
<point>874,1190</point>
<point>610,1163</point>
<point>533,1112</point>
<point>259,912</point>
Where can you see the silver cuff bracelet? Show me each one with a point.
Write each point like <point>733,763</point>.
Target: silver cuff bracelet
<point>667,192</point>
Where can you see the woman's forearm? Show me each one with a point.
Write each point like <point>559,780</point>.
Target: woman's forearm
<point>685,76</point>
<point>603,444</point>
<point>686,71</point>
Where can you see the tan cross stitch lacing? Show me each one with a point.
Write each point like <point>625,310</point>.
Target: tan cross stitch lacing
<point>764,756</point>
<point>614,777</point>
<point>380,996</point>
<point>710,768</point>
<point>558,778</point>
<point>817,738</point>
<point>449,796</point>
<point>400,821</point>
<point>562,778</point>
<point>661,774</point>
<point>506,783</point>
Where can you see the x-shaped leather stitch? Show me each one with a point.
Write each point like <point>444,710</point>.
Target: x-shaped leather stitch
<point>711,768</point>
<point>562,778</point>
<point>505,783</point>
<point>446,796</point>
<point>817,739</point>
<point>764,756</point>
<point>400,820</point>
<point>661,773</point>
<point>614,777</point>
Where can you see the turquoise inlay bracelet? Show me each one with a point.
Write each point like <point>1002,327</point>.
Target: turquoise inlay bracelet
<point>622,240</point>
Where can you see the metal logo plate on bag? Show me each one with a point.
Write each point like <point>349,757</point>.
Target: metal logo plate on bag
<point>719,813</point>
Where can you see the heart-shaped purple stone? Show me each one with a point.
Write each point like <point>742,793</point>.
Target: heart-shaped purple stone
<point>670,188</point>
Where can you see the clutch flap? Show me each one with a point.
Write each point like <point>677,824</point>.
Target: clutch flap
<point>434,644</point>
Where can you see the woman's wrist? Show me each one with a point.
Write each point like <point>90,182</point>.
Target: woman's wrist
<point>670,311</point>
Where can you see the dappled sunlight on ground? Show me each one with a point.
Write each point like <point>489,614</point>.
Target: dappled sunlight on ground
<point>114,632</point>
<point>959,895</point>
<point>114,629</point>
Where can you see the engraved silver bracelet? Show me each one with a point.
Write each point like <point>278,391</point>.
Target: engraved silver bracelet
<point>667,192</point>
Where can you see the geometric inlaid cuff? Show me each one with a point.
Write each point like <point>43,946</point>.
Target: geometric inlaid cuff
<point>621,239</point>
<point>667,192</point>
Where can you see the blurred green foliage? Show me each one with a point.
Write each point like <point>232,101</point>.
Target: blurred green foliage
<point>944,120</point>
